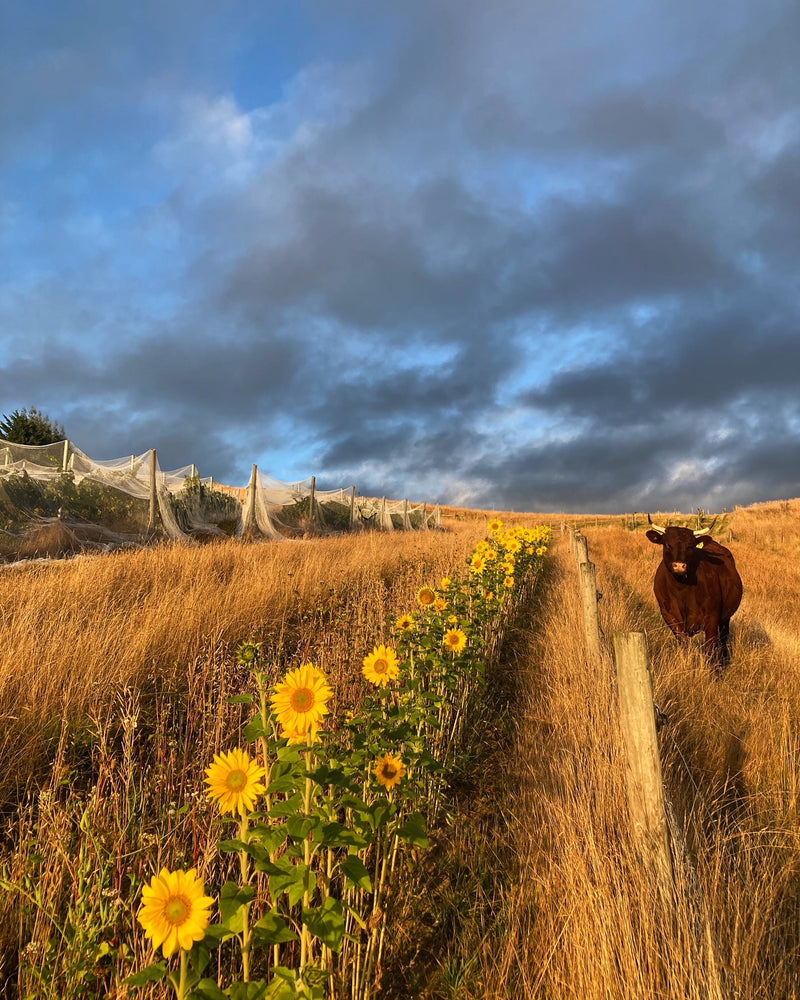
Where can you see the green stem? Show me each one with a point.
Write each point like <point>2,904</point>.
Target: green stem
<point>305,939</point>
<point>180,989</point>
<point>244,865</point>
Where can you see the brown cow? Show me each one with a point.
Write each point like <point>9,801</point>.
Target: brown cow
<point>697,587</point>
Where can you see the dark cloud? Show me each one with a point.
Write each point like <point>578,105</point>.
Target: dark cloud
<point>532,256</point>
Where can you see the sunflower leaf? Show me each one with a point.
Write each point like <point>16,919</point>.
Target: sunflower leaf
<point>207,989</point>
<point>288,807</point>
<point>233,899</point>
<point>273,929</point>
<point>299,827</point>
<point>271,837</point>
<point>255,729</point>
<point>336,835</point>
<point>290,878</point>
<point>232,846</point>
<point>413,831</point>
<point>326,922</point>
<point>250,991</point>
<point>356,871</point>
<point>152,974</point>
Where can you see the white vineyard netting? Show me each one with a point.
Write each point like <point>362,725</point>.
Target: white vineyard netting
<point>131,500</point>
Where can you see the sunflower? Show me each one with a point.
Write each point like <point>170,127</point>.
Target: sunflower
<point>380,666</point>
<point>455,640</point>
<point>174,910</point>
<point>440,604</point>
<point>490,555</point>
<point>301,698</point>
<point>541,550</point>
<point>248,653</point>
<point>297,737</point>
<point>426,596</point>
<point>389,770</point>
<point>234,781</point>
<point>445,584</point>
<point>453,619</point>
<point>508,582</point>
<point>404,622</point>
<point>495,524</point>
<point>478,563</point>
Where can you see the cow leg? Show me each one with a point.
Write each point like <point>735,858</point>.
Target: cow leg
<point>713,648</point>
<point>677,627</point>
<point>724,638</point>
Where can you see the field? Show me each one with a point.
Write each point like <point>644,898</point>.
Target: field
<point>115,679</point>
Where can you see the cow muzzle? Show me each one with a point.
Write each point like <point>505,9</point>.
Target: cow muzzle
<point>679,568</point>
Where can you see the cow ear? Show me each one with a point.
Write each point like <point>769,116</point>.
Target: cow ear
<point>655,536</point>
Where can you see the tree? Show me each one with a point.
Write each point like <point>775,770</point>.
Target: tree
<point>30,427</point>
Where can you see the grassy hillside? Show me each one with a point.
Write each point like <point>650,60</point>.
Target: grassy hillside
<point>581,918</point>
<point>115,675</point>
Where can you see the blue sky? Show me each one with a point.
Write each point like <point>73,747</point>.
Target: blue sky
<point>521,255</point>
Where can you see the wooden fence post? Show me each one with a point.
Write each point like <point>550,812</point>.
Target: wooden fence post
<point>581,548</point>
<point>65,461</point>
<point>311,498</point>
<point>591,624</point>
<point>645,788</point>
<point>352,506</point>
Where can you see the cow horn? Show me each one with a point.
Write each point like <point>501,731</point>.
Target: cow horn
<point>706,531</point>
<point>657,527</point>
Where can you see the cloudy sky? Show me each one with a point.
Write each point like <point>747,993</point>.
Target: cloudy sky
<point>531,255</point>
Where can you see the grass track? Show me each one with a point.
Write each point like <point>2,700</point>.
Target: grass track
<point>584,920</point>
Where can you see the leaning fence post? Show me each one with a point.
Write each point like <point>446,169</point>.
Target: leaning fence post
<point>591,623</point>
<point>581,548</point>
<point>645,788</point>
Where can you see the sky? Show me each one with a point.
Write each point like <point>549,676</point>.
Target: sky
<point>514,255</point>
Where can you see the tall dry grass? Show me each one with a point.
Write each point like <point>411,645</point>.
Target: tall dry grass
<point>536,889</point>
<point>582,917</point>
<point>115,679</point>
<point>77,631</point>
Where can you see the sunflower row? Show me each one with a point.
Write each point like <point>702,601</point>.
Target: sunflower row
<point>327,806</point>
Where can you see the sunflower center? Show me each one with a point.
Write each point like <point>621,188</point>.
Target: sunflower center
<point>236,780</point>
<point>303,699</point>
<point>177,910</point>
<point>389,771</point>
<point>380,666</point>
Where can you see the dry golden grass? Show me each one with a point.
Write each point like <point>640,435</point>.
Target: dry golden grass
<point>76,631</point>
<point>584,919</point>
<point>542,879</point>
<point>115,675</point>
